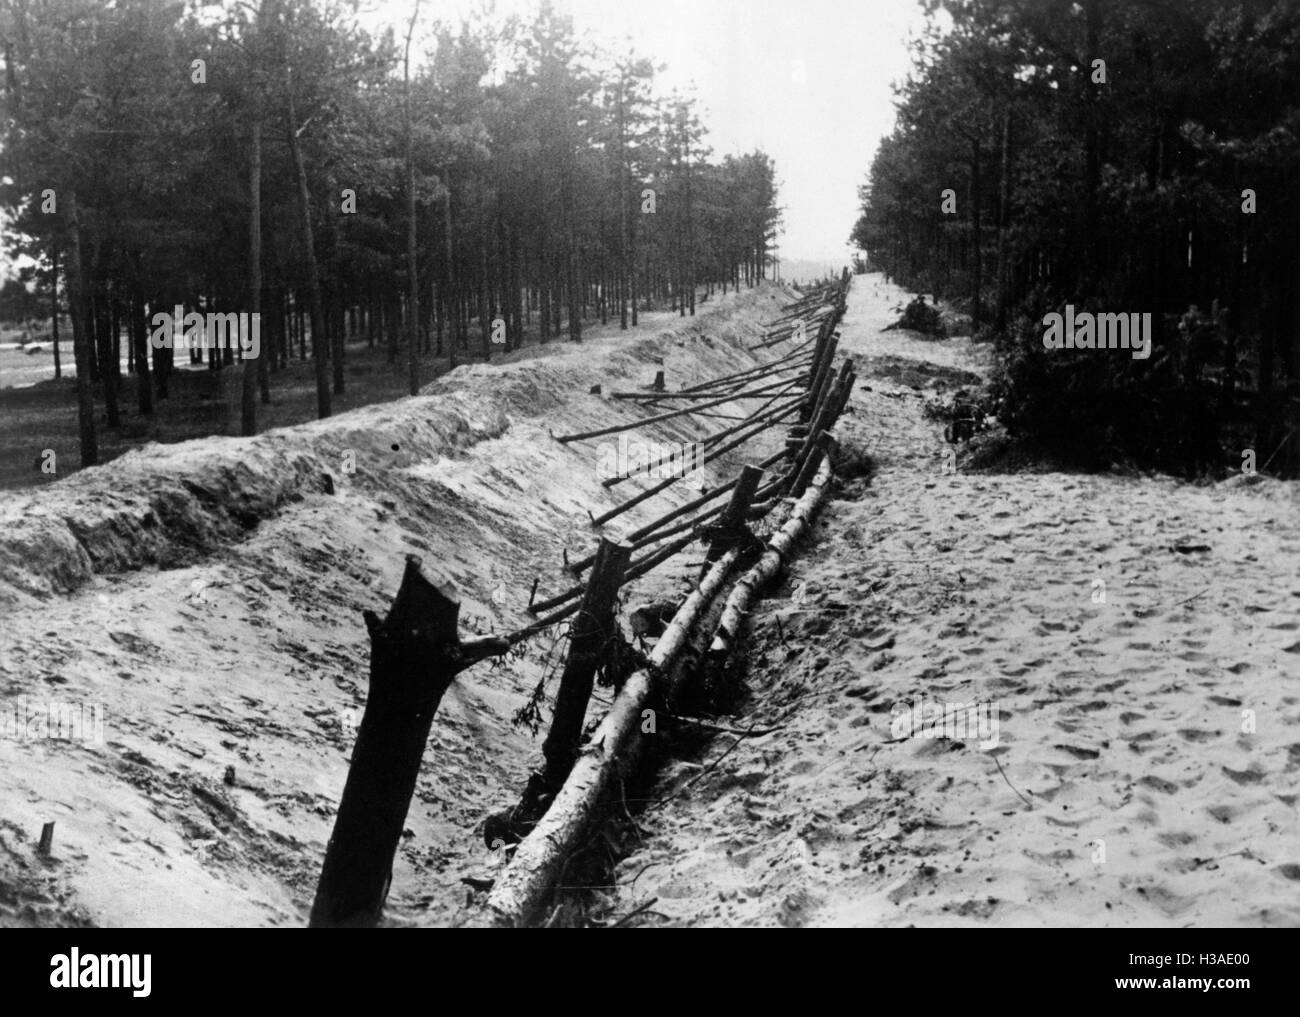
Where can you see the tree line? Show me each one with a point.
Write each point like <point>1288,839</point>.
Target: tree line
<point>275,157</point>
<point>1119,157</point>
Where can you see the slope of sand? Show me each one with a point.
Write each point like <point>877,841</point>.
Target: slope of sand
<point>1147,762</point>
<point>208,597</point>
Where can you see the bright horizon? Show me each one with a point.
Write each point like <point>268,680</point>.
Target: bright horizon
<point>809,83</point>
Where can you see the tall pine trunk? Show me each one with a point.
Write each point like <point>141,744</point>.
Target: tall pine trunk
<point>248,392</point>
<point>412,354</point>
<point>320,350</point>
<point>81,338</point>
<point>54,307</point>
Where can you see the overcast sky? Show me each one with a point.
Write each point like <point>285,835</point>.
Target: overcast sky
<point>806,80</point>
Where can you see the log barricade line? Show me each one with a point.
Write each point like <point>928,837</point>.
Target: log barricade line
<point>523,888</point>
<point>528,880</point>
<point>823,352</point>
<point>416,651</point>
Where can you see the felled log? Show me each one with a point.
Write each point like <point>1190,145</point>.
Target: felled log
<point>751,584</point>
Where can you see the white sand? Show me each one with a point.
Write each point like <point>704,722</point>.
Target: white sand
<point>1123,725</point>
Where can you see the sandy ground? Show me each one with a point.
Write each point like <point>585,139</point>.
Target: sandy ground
<point>1146,763</point>
<point>207,596</point>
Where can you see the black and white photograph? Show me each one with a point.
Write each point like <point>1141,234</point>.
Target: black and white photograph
<point>662,464</point>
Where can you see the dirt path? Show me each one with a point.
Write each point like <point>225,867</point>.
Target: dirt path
<point>1146,760</point>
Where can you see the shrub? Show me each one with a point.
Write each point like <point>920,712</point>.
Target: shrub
<point>921,317</point>
<point>1096,407</point>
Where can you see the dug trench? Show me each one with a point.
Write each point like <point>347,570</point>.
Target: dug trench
<point>208,597</point>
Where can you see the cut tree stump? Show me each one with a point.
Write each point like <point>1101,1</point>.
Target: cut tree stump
<point>415,654</point>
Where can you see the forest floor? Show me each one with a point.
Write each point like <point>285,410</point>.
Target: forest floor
<point>1145,768</point>
<point>207,596</point>
<point>38,413</point>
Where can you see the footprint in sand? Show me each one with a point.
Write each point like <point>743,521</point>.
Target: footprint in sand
<point>976,908</point>
<point>1172,904</point>
<point>926,878</point>
<point>1251,776</point>
<point>1055,858</point>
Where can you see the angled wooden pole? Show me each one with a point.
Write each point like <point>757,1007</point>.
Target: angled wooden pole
<point>587,638</point>
<point>731,530</point>
<point>822,445</point>
<point>588,646</point>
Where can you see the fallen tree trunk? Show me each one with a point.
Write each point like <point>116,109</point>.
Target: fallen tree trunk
<point>749,585</point>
